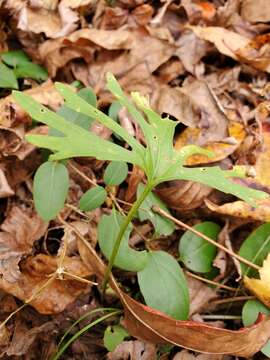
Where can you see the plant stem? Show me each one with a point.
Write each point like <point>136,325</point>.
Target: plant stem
<point>123,228</point>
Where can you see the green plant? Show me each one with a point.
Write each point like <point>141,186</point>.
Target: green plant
<point>64,344</point>
<point>159,161</point>
<point>15,65</point>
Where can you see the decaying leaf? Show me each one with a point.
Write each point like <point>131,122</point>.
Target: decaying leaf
<point>258,11</point>
<point>136,350</point>
<point>261,287</point>
<point>254,52</point>
<point>54,297</point>
<point>21,228</point>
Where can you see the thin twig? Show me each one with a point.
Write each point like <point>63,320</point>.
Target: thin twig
<point>79,172</point>
<point>232,299</point>
<point>211,241</point>
<point>211,282</point>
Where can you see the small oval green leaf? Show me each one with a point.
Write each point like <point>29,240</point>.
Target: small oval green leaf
<point>93,198</point>
<point>113,336</point>
<point>255,249</point>
<point>163,285</point>
<point>51,183</point>
<point>195,252</point>
<point>115,173</point>
<point>162,225</point>
<point>127,258</point>
<point>250,312</point>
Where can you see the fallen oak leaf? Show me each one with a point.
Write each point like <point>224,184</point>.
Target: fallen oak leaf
<point>261,287</point>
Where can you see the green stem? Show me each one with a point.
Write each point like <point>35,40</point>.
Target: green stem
<point>123,228</point>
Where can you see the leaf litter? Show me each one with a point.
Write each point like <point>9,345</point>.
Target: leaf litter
<point>203,63</point>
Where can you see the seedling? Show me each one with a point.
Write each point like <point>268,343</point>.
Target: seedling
<point>159,161</point>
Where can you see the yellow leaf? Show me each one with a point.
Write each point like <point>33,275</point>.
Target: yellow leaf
<point>261,287</point>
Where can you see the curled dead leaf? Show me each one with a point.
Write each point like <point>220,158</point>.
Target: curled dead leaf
<point>261,287</point>
<point>183,195</point>
<point>258,11</point>
<point>243,210</point>
<point>254,52</point>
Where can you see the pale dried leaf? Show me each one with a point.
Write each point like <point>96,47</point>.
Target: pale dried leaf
<point>255,11</point>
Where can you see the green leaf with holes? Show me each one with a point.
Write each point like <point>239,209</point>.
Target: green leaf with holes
<point>127,258</point>
<point>115,173</point>
<point>93,198</point>
<point>51,183</point>
<point>113,336</point>
<point>195,252</point>
<point>163,285</point>
<point>255,248</point>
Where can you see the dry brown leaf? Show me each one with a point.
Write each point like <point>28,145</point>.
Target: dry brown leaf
<point>183,195</point>
<point>254,52</point>
<point>58,294</point>
<point>5,189</point>
<point>199,295</point>
<point>135,350</point>
<point>53,24</point>
<point>23,338</point>
<point>255,11</point>
<point>21,228</point>
<point>10,113</point>
<point>261,287</point>
<point>221,150</point>
<point>151,325</point>
<point>56,53</point>
<point>190,50</point>
<point>262,168</point>
<point>227,42</point>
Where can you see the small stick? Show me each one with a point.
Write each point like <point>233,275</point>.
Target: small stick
<point>211,241</point>
<point>210,282</point>
<point>79,172</point>
<point>232,299</point>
